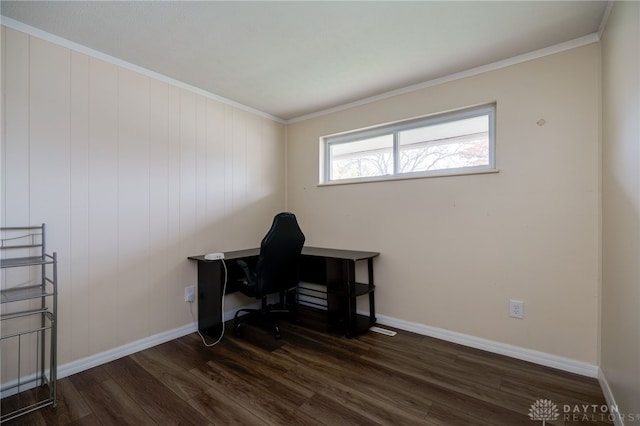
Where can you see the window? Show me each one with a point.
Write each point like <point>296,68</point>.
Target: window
<point>451,143</point>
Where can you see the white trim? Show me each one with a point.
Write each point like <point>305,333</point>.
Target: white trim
<point>605,18</point>
<point>608,396</point>
<point>530,355</point>
<point>36,32</point>
<point>571,44</point>
<point>407,176</point>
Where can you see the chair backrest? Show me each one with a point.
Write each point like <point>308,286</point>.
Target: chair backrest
<point>277,267</point>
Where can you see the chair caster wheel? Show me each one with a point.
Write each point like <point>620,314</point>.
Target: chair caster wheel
<point>276,330</point>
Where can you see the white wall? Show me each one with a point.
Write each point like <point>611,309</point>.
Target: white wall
<point>621,206</point>
<point>455,249</point>
<point>131,176</point>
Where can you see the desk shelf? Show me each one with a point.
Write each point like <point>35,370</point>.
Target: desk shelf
<point>360,289</point>
<point>355,289</point>
<point>338,274</point>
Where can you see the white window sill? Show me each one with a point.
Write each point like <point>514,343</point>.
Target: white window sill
<point>444,173</point>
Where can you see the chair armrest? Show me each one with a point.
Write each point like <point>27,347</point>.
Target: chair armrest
<point>247,284</point>
<point>245,269</point>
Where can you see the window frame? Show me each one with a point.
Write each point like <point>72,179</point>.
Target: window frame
<point>395,128</point>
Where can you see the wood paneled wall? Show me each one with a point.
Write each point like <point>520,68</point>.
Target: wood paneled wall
<point>131,176</point>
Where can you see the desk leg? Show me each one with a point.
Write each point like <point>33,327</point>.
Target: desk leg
<point>349,282</point>
<point>337,300</point>
<point>349,290</point>
<point>210,298</point>
<point>372,300</point>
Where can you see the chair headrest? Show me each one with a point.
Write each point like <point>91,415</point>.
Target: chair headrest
<point>284,227</point>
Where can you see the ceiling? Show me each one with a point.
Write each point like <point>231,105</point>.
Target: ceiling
<point>291,59</point>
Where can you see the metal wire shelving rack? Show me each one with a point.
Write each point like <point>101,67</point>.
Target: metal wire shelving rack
<point>28,302</point>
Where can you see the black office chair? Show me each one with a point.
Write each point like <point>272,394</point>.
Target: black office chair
<point>276,272</point>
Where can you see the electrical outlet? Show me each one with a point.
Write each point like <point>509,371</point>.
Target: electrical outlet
<point>516,309</point>
<point>190,294</point>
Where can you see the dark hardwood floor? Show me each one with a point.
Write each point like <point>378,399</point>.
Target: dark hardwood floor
<point>310,377</point>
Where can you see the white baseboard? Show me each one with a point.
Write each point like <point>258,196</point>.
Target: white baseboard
<point>537,357</point>
<point>608,396</point>
<point>542,358</point>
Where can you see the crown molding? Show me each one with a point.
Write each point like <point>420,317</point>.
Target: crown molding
<point>605,18</point>
<point>551,50</point>
<point>36,32</point>
<point>572,44</point>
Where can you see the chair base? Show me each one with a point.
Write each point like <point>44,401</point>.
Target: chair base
<point>272,312</point>
<point>238,319</point>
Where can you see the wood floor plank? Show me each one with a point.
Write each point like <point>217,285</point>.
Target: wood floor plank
<point>332,381</point>
<point>561,398</point>
<point>453,380</point>
<point>113,406</point>
<point>263,367</point>
<point>221,409</point>
<point>329,413</point>
<point>476,416</point>
<point>157,400</point>
<point>90,420</point>
<point>374,382</point>
<point>91,377</point>
<point>170,374</point>
<point>70,405</point>
<point>251,395</point>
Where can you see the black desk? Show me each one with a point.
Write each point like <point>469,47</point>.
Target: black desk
<point>334,269</point>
